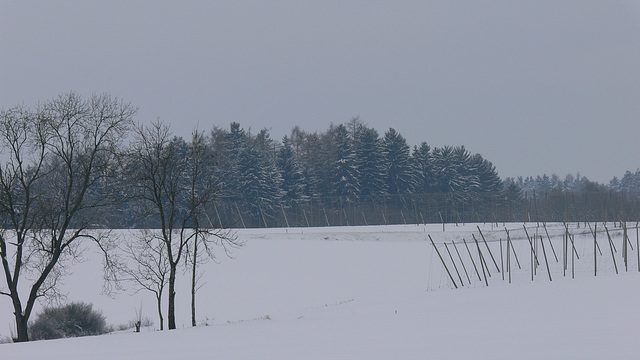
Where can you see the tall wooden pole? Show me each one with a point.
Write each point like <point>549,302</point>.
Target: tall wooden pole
<point>515,255</point>
<point>501,260</point>
<point>487,245</point>
<point>454,264</point>
<point>472,261</point>
<point>545,257</point>
<point>573,246</point>
<point>612,247</point>
<point>624,246</point>
<point>509,256</point>
<point>550,242</point>
<point>284,214</point>
<point>638,245</point>
<point>443,263</point>
<point>595,231</point>
<point>241,219</point>
<point>482,262</point>
<point>533,252</point>
<point>573,259</point>
<point>564,254</point>
<point>455,247</point>
<point>595,254</point>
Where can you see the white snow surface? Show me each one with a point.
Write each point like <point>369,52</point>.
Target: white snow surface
<point>377,292</point>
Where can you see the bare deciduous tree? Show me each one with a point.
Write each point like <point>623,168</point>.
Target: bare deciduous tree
<point>203,191</point>
<point>172,177</point>
<point>59,157</point>
<point>146,265</point>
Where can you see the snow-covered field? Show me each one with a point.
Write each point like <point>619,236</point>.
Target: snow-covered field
<point>377,293</point>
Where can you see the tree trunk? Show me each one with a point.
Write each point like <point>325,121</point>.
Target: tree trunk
<point>21,329</point>
<point>193,281</point>
<point>159,299</point>
<point>172,297</point>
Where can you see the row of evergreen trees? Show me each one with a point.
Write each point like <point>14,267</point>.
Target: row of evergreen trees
<point>350,174</point>
<point>629,183</point>
<point>351,161</point>
<point>545,183</point>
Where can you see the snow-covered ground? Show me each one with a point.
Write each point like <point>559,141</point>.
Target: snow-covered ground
<point>377,293</point>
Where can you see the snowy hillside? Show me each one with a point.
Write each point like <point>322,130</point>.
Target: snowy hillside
<point>379,293</point>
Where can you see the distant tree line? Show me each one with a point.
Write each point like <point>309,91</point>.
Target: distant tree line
<point>349,174</point>
<point>546,183</point>
<point>262,179</point>
<point>629,183</point>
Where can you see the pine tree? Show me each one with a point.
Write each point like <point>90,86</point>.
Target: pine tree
<point>290,172</point>
<point>343,172</point>
<point>512,191</point>
<point>568,182</point>
<point>397,163</point>
<point>424,178</point>
<point>487,174</point>
<point>269,186</point>
<point>369,162</point>
<point>256,189</point>
<point>311,164</point>
<point>229,147</point>
<point>614,184</point>
<point>456,173</point>
<point>543,183</point>
<point>468,174</point>
<point>630,182</point>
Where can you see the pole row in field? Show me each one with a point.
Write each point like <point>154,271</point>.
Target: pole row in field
<point>537,246</point>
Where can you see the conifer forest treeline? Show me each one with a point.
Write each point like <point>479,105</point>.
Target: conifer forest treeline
<point>351,174</point>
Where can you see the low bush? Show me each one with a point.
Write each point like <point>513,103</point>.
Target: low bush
<point>71,320</point>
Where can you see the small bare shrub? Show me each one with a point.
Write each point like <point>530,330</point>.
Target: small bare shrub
<point>71,320</point>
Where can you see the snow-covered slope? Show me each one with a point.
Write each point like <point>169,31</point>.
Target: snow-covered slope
<point>376,293</point>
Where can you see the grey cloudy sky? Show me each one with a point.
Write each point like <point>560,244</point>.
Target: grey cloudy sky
<point>536,87</point>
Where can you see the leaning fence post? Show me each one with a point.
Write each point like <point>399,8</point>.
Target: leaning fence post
<point>573,245</point>
<point>482,262</point>
<point>487,245</point>
<point>550,243</point>
<point>305,217</point>
<point>501,260</point>
<point>509,256</point>
<point>515,255</point>
<point>241,219</point>
<point>638,245</point>
<point>455,247</point>
<point>443,263</point>
<point>595,231</point>
<point>454,264</point>
<point>612,247</point>
<point>285,215</point>
<point>472,261</point>
<point>535,257</point>
<point>595,253</point>
<point>545,257</point>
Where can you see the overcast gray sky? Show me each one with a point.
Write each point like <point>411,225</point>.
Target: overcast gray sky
<point>535,87</point>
